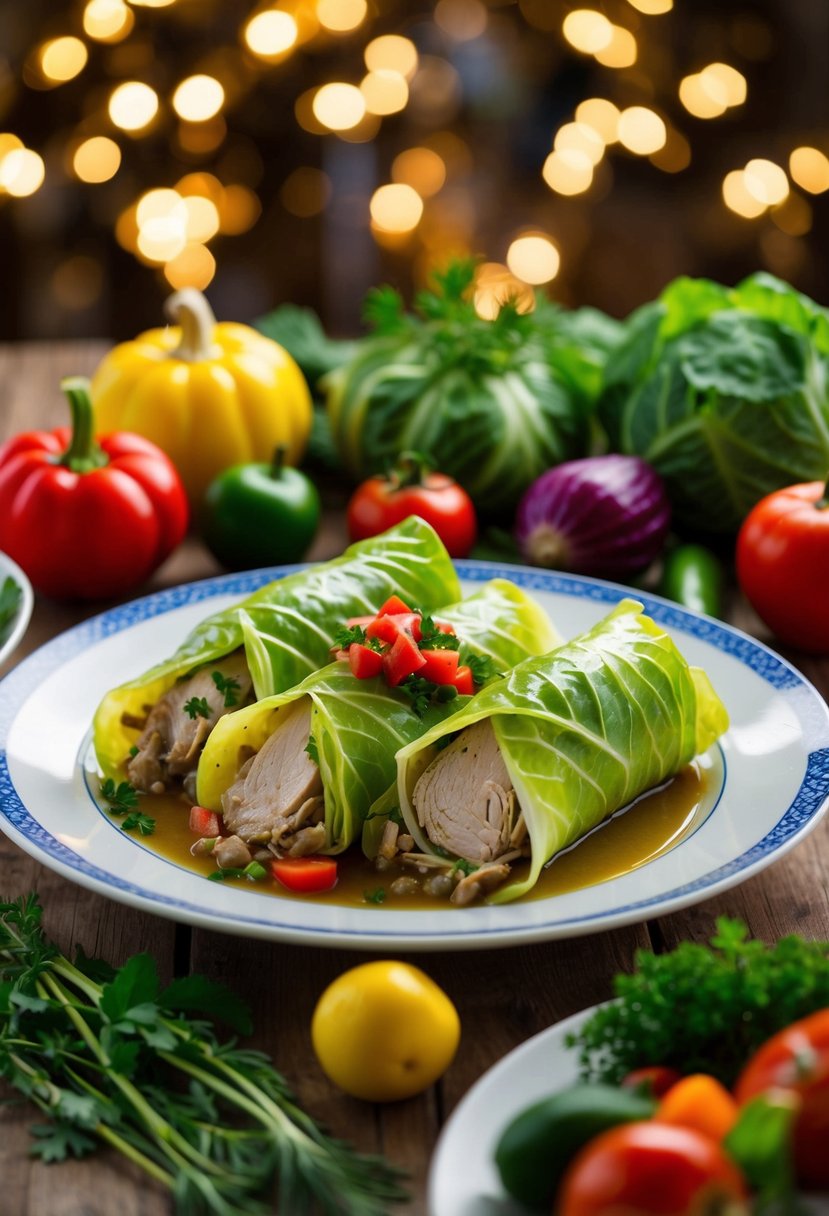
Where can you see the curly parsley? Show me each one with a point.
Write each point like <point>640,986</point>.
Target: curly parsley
<point>197,707</point>
<point>228,686</point>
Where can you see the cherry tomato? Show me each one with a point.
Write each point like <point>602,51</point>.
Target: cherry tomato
<point>782,559</point>
<point>797,1059</point>
<point>305,873</point>
<point>650,1169</point>
<point>655,1080</point>
<point>413,489</point>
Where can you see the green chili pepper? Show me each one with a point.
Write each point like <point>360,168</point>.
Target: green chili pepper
<point>692,576</point>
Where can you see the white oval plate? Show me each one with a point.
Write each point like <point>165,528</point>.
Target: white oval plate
<point>773,761</point>
<point>10,569</point>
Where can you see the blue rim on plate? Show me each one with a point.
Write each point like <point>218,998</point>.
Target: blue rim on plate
<point>796,819</point>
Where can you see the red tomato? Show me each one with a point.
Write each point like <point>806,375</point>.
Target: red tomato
<point>403,660</point>
<point>305,873</point>
<point>441,666</point>
<point>394,606</point>
<point>383,501</point>
<point>364,662</point>
<point>463,682</point>
<point>797,1059</point>
<point>656,1080</point>
<point>782,563</point>
<point>204,822</point>
<point>650,1169</point>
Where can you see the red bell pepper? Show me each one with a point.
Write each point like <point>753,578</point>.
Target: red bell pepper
<point>88,518</point>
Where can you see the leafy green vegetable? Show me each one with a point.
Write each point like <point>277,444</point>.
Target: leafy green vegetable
<point>227,685</point>
<point>116,1061</point>
<point>144,823</point>
<point>761,1144</point>
<point>377,896</point>
<point>704,1008</point>
<point>197,707</point>
<point>253,871</point>
<point>122,797</point>
<point>426,692</point>
<point>496,401</point>
<point>432,638</point>
<point>613,713</point>
<point>483,668</point>
<point>11,597</point>
<point>300,332</point>
<point>312,750</point>
<point>724,391</point>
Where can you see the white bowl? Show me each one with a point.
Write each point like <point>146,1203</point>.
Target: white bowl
<point>8,568</point>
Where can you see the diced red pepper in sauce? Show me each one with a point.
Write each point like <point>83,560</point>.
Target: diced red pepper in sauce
<point>204,822</point>
<point>305,873</point>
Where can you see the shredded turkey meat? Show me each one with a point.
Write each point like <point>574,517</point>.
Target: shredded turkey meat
<point>465,801</point>
<point>277,796</point>
<point>172,739</point>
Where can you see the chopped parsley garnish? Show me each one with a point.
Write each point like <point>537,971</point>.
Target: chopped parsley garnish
<point>144,824</point>
<point>10,599</point>
<point>377,896</point>
<point>483,668</point>
<point>229,686</point>
<point>133,751</point>
<point>349,634</point>
<point>425,693</point>
<point>465,867</point>
<point>432,638</point>
<point>121,798</point>
<point>197,707</point>
<point>312,750</point>
<point>253,871</point>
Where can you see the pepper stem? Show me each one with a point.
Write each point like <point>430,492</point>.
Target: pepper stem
<point>411,469</point>
<point>83,453</point>
<point>190,310</point>
<point>278,462</point>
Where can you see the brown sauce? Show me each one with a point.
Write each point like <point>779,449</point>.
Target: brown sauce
<point>651,826</point>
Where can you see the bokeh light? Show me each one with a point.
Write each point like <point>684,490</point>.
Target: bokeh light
<point>107,20</point>
<point>396,208</point>
<point>421,168</point>
<point>198,98</point>
<point>341,16</point>
<point>809,167</point>
<point>765,181</point>
<point>194,266</point>
<point>794,215</point>
<point>384,91</point>
<point>22,172</point>
<point>724,84</point>
<point>534,259</point>
<point>239,209</point>
<point>339,106</point>
<point>652,8</point>
<point>271,34</point>
<point>97,159</point>
<point>568,171</point>
<point>462,20</point>
<point>587,30</point>
<point>621,51</point>
<point>641,130</point>
<point>133,105</point>
<point>306,191</point>
<point>602,115</point>
<point>581,137</point>
<point>698,99</point>
<point>62,59</point>
<point>393,53</point>
<point>738,198</point>
<point>495,286</point>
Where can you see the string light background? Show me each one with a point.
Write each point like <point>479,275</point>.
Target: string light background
<point>307,149</point>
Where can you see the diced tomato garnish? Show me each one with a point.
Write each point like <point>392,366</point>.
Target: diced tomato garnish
<point>364,661</point>
<point>305,873</point>
<point>441,666</point>
<point>444,626</point>
<point>339,654</point>
<point>362,621</point>
<point>463,682</point>
<point>403,660</point>
<point>204,822</point>
<point>387,628</point>
<point>393,607</point>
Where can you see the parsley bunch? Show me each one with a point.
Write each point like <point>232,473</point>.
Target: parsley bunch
<point>112,1057</point>
<point>704,1008</point>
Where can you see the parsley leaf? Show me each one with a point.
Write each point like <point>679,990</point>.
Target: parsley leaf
<point>229,686</point>
<point>144,823</point>
<point>312,750</point>
<point>433,638</point>
<point>197,707</point>
<point>121,798</point>
<point>465,867</point>
<point>349,634</point>
<point>10,600</point>
<point>426,692</point>
<point>483,668</point>
<point>57,1141</point>
<point>377,896</point>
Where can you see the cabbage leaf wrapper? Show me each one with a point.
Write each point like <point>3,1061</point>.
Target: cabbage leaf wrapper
<point>582,731</point>
<point>358,726</point>
<point>287,627</point>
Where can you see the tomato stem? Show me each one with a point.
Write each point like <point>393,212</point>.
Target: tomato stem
<point>83,453</point>
<point>411,469</point>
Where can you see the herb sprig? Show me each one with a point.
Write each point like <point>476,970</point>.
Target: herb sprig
<point>704,1008</point>
<point>197,707</point>
<point>425,692</point>
<point>228,686</point>
<point>123,800</point>
<point>11,596</point>
<point>111,1057</point>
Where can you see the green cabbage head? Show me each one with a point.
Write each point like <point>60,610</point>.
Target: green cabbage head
<point>493,402</point>
<point>724,391</point>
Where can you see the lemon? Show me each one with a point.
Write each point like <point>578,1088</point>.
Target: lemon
<point>384,1031</point>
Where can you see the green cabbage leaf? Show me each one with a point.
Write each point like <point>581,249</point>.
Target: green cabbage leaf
<point>358,726</point>
<point>725,392</point>
<point>583,731</point>
<point>288,626</point>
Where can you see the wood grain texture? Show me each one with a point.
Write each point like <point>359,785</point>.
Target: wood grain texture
<point>503,996</point>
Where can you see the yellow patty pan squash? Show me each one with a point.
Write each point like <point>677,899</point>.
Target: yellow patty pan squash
<point>209,394</point>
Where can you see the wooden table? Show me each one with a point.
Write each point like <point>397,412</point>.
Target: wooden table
<point>503,996</point>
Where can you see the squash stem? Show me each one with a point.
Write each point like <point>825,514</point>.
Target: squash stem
<point>190,310</point>
<point>83,453</point>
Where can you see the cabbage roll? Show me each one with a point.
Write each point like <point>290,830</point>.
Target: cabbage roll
<point>298,772</point>
<point>535,761</point>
